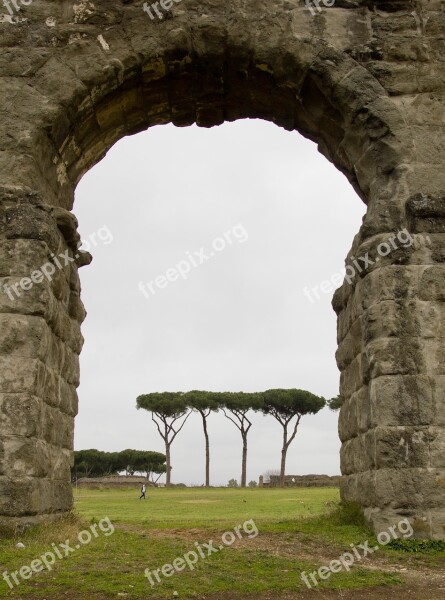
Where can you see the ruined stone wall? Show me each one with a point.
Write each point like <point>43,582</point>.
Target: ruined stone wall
<point>304,481</point>
<point>364,79</point>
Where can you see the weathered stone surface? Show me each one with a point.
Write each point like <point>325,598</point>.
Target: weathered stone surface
<point>412,402</point>
<point>365,79</point>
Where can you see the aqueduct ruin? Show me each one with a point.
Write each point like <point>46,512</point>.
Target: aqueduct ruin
<point>365,79</point>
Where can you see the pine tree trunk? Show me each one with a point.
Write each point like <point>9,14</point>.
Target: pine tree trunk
<point>244,465</point>
<point>283,466</point>
<point>204,423</point>
<point>283,457</point>
<point>167,460</point>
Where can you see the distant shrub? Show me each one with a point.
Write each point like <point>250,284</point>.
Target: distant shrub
<point>232,483</point>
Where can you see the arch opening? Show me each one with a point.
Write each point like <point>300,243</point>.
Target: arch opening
<point>236,321</point>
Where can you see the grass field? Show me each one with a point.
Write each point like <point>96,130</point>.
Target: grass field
<point>297,530</point>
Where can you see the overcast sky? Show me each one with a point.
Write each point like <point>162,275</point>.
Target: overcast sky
<point>239,321</point>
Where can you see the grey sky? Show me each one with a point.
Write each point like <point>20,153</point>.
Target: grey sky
<point>240,321</point>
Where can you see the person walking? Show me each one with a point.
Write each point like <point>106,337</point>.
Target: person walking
<point>142,492</point>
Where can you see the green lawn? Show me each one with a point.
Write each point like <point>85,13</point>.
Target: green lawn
<point>297,530</point>
<point>198,507</point>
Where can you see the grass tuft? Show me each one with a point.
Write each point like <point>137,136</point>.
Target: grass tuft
<point>64,528</point>
<point>418,546</point>
<point>349,513</point>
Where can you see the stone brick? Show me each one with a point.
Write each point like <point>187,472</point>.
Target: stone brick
<point>436,518</point>
<point>432,283</point>
<point>351,346</point>
<point>20,413</point>
<point>402,447</point>
<point>402,400</point>
<point>347,422</point>
<point>411,488</point>
<point>438,387</point>
<point>21,375</point>
<point>24,336</point>
<point>437,447</point>
<point>395,356</point>
<point>352,377</point>
<point>20,497</point>
<point>19,258</point>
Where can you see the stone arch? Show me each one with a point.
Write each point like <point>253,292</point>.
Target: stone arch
<point>91,75</point>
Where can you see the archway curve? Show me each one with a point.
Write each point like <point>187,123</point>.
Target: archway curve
<point>92,84</point>
<point>305,85</point>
